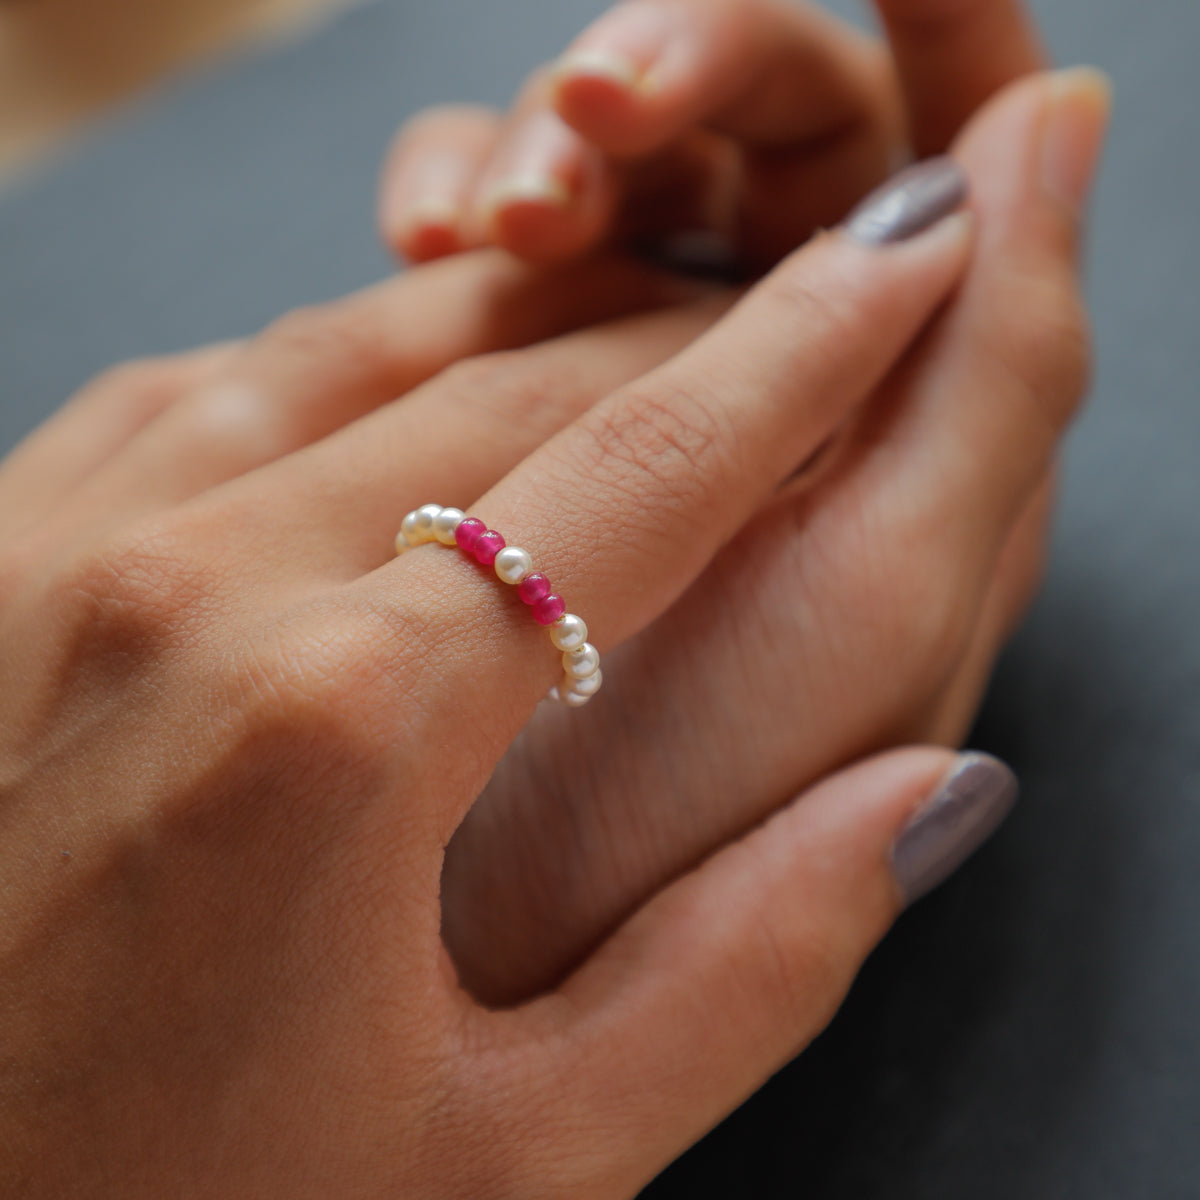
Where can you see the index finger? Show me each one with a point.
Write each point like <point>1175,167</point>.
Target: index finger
<point>953,55</point>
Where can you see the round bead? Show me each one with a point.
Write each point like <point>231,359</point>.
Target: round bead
<point>549,608</point>
<point>589,685</point>
<point>534,587</point>
<point>487,546</point>
<point>401,542</point>
<point>574,699</point>
<point>513,564</point>
<point>580,663</point>
<point>569,632</point>
<point>446,523</point>
<point>426,515</point>
<point>469,531</point>
<point>408,527</point>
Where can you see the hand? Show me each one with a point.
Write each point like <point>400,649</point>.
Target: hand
<point>234,745</point>
<point>758,119</point>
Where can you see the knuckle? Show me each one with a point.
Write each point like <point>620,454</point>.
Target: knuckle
<point>510,388</point>
<point>1047,353</point>
<point>824,317</point>
<point>323,674</point>
<point>149,383</point>
<point>334,332</point>
<point>664,443</point>
<point>133,598</point>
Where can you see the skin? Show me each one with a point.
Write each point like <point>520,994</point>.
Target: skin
<point>785,116</point>
<point>760,119</point>
<point>237,740</point>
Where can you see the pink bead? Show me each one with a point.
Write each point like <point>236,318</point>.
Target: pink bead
<point>469,532</point>
<point>534,587</point>
<point>549,608</point>
<point>487,546</point>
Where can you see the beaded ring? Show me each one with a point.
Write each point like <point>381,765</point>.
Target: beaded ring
<point>452,527</point>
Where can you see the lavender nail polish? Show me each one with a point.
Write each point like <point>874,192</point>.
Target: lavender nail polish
<point>962,814</point>
<point>909,203</point>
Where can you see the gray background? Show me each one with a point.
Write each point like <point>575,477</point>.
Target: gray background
<point>1031,1031</point>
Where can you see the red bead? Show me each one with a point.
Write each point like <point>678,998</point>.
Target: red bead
<point>469,532</point>
<point>549,608</point>
<point>487,546</point>
<point>534,587</point>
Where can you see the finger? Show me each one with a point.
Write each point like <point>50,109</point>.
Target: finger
<point>750,954</point>
<point>546,193</point>
<point>103,417</point>
<point>628,504</point>
<point>319,369</point>
<point>769,73</point>
<point>429,177</point>
<point>312,521</point>
<point>988,397</point>
<point>1018,576</point>
<point>952,55</point>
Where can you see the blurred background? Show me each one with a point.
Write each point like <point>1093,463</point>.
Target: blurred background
<point>175,171</point>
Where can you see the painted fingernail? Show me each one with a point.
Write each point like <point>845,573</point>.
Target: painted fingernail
<point>1080,105</point>
<point>965,810</point>
<point>909,203</point>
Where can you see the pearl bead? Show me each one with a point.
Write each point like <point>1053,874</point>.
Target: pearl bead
<point>408,527</point>
<point>513,564</point>
<point>582,662</point>
<point>401,542</point>
<point>589,685</point>
<point>569,632</point>
<point>575,699</point>
<point>446,524</point>
<point>426,515</point>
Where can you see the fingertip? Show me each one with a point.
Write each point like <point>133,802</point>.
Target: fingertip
<point>599,95</point>
<point>427,233</point>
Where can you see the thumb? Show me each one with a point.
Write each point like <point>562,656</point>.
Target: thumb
<point>729,972</point>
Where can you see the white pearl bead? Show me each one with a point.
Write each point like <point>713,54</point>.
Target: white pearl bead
<point>426,515</point>
<point>569,632</point>
<point>589,685</point>
<point>554,694</point>
<point>446,523</point>
<point>581,663</point>
<point>401,542</point>
<point>575,699</point>
<point>408,527</point>
<point>513,564</point>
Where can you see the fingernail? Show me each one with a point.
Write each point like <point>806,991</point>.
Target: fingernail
<point>909,203</point>
<point>536,161</point>
<point>625,45</point>
<point>428,228</point>
<point>608,65</point>
<point>1080,106</point>
<point>965,810</point>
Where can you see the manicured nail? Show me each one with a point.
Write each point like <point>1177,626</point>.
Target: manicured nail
<point>1076,126</point>
<point>909,203</point>
<point>965,810</point>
